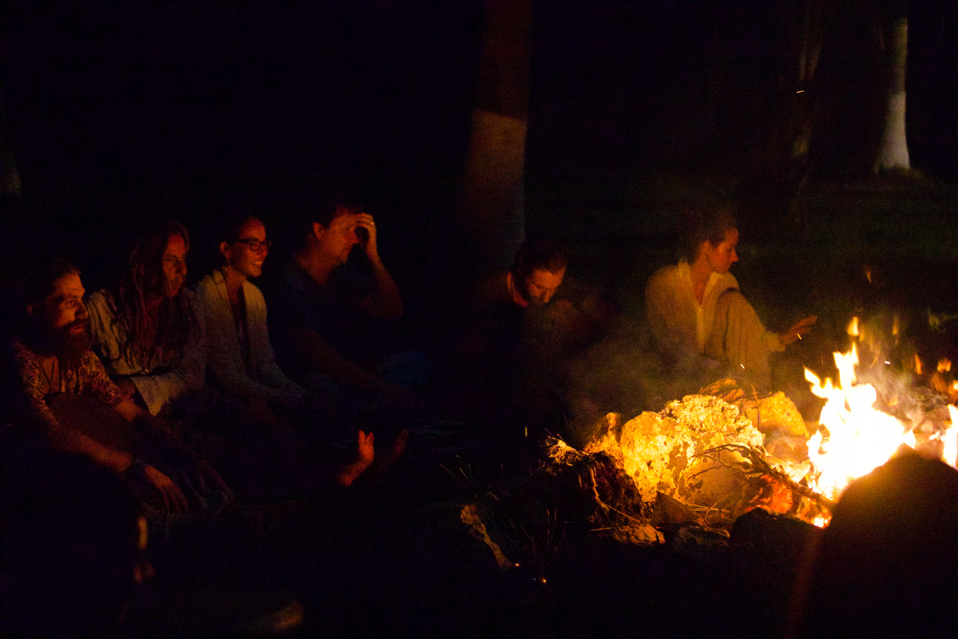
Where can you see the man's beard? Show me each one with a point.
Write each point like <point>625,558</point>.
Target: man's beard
<point>67,346</point>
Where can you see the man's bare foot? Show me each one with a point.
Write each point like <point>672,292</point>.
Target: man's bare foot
<point>396,450</point>
<point>365,453</point>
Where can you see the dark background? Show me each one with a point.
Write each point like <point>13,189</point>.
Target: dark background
<point>117,110</point>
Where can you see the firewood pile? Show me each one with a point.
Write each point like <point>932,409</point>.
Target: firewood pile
<point>709,460</point>
<point>683,475</point>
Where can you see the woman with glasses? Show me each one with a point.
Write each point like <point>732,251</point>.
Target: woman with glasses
<point>256,393</point>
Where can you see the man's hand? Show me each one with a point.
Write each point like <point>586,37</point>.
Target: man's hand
<point>127,387</point>
<point>207,478</point>
<point>365,221</point>
<point>147,481</point>
<point>801,327</point>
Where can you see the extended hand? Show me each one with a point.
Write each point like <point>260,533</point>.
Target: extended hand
<point>801,327</point>
<point>149,481</point>
<point>208,479</point>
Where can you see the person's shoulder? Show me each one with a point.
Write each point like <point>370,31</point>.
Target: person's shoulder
<point>252,293</point>
<point>575,289</point>
<point>207,284</point>
<point>15,348</point>
<point>290,274</point>
<point>102,301</point>
<point>101,296</point>
<point>664,275</point>
<point>491,288</point>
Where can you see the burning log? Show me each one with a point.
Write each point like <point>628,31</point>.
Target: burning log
<point>619,508</point>
<point>703,455</point>
<point>702,451</point>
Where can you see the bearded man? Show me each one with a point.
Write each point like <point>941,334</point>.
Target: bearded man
<point>58,391</point>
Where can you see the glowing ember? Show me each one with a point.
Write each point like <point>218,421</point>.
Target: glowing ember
<point>950,452</point>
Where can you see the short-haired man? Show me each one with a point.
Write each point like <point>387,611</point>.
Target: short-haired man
<point>554,315</point>
<point>59,390</point>
<point>536,274</point>
<point>528,323</point>
<point>329,316</point>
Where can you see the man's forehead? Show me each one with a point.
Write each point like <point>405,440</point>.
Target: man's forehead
<point>547,279</point>
<point>346,219</point>
<point>68,286</point>
<point>175,246</point>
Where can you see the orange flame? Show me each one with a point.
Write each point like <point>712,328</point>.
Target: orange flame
<point>860,437</point>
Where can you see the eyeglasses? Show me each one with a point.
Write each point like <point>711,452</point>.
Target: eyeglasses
<point>254,244</point>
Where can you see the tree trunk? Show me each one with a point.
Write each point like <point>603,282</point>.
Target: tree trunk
<point>491,208</point>
<point>783,163</point>
<point>893,146</point>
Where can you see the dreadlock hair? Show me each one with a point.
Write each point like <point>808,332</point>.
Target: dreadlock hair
<point>152,333</point>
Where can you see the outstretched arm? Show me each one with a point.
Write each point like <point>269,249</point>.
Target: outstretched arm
<point>801,327</point>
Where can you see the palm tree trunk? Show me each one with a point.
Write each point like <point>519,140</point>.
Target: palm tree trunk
<point>893,146</point>
<point>491,206</point>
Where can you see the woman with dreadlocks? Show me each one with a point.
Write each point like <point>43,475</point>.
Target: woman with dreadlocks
<point>148,330</point>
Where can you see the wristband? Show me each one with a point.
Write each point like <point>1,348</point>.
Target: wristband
<point>136,468</point>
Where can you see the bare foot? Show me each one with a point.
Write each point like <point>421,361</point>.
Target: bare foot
<point>396,450</point>
<point>365,453</point>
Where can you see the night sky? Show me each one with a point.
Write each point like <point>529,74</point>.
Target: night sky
<point>115,109</point>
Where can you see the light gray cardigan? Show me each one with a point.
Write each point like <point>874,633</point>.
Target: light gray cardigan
<point>224,355</point>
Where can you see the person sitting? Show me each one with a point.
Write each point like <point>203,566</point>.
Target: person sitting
<point>149,330</point>
<point>700,322</point>
<point>58,391</point>
<point>242,361</point>
<point>527,326</point>
<point>331,316</point>
<point>559,315</point>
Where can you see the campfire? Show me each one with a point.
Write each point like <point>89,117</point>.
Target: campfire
<point>726,451</point>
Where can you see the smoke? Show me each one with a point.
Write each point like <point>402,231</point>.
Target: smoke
<point>620,374</point>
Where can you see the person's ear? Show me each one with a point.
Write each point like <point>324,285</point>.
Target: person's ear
<point>318,230</point>
<point>225,250</point>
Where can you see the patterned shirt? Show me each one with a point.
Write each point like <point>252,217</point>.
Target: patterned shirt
<point>32,387</point>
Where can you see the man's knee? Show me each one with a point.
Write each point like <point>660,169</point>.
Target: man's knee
<point>732,301</point>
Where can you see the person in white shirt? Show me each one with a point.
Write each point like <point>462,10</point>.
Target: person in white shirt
<point>700,321</point>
